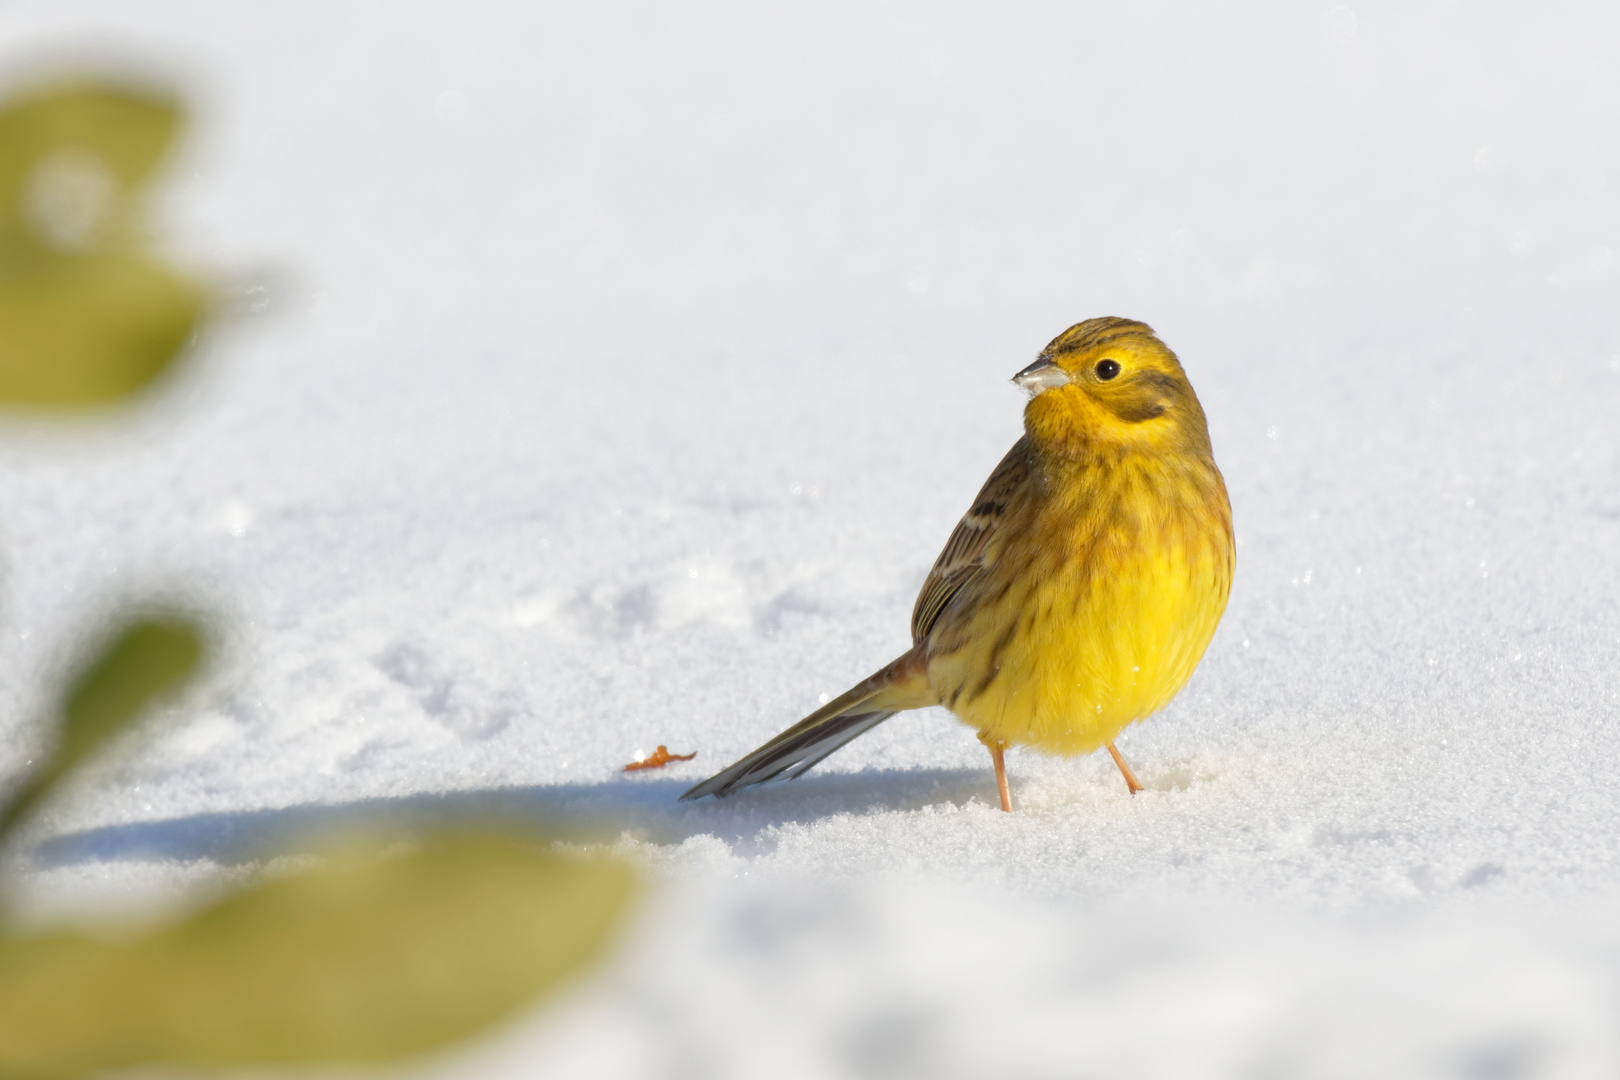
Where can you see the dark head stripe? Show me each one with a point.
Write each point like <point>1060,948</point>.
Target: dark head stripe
<point>1095,333</point>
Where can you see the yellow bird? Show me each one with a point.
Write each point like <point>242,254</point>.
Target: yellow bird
<point>1079,592</point>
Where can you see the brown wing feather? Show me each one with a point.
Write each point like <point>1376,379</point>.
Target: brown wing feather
<point>963,556</point>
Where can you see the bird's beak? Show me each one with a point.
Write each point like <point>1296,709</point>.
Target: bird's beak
<point>1040,376</point>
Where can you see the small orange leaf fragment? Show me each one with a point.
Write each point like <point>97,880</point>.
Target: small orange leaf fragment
<point>660,757</point>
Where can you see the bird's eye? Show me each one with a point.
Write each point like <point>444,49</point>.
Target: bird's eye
<point>1107,369</point>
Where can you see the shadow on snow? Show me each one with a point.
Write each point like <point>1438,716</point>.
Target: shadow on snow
<point>643,807</point>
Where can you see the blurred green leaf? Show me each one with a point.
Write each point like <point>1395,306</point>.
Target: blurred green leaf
<point>370,957</point>
<point>85,315</point>
<point>92,330</point>
<point>128,129</point>
<point>145,661</point>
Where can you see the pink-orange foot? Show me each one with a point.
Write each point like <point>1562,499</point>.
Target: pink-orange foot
<point>1130,777</point>
<point>997,751</point>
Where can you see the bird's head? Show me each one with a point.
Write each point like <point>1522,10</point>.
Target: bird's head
<point>1112,382</point>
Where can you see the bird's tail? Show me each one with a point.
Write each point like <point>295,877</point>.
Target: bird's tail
<point>901,685</point>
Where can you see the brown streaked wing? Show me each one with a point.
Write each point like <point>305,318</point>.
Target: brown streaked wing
<point>963,556</point>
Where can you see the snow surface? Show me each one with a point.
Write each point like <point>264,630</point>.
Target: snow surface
<point>609,375</point>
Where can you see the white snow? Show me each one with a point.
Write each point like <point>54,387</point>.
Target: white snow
<point>610,375</point>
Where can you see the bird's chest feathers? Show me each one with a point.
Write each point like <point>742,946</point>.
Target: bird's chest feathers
<point>1131,565</point>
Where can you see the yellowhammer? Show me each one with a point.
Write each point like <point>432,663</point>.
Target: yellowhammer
<point>1079,592</point>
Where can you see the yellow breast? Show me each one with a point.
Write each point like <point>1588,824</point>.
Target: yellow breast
<point>1093,611</point>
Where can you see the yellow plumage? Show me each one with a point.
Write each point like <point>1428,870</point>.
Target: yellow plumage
<point>1081,589</point>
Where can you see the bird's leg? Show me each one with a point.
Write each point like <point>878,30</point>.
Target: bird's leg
<point>1130,777</point>
<point>996,751</point>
